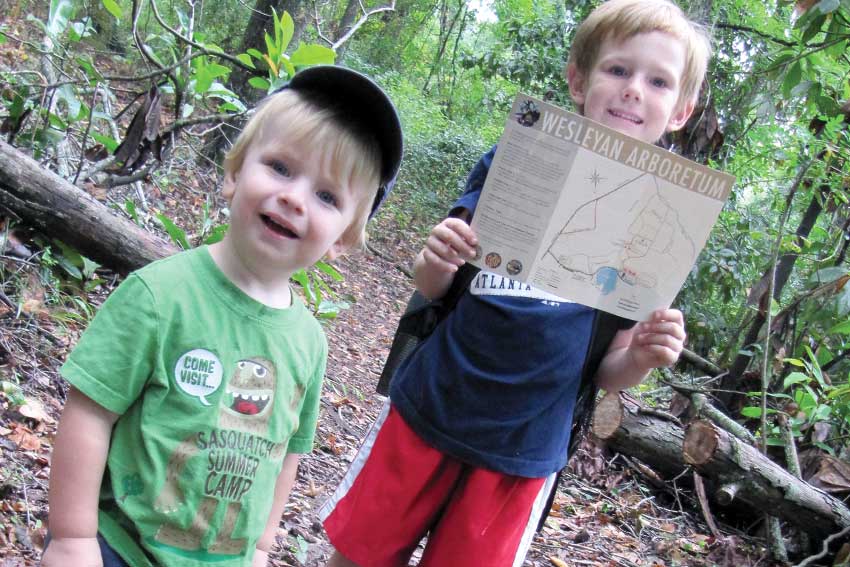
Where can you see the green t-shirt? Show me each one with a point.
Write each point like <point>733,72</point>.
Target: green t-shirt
<point>213,389</point>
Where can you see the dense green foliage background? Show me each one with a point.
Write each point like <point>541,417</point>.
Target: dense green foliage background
<point>767,302</point>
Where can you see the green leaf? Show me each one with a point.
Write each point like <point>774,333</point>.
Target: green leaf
<point>130,207</point>
<point>330,309</point>
<point>66,93</point>
<point>303,280</point>
<point>840,329</point>
<point>827,275</point>
<point>792,78</point>
<point>814,27</point>
<point>56,122</point>
<point>775,308</point>
<point>206,74</point>
<point>828,6</point>
<point>91,71</point>
<point>219,91</point>
<point>177,234</point>
<point>751,411</point>
<point>3,38</point>
<point>216,234</point>
<point>13,392</point>
<point>286,65</point>
<point>246,59</point>
<point>287,30</point>
<point>271,49</point>
<point>259,83</point>
<point>61,12</point>
<point>312,54</point>
<point>69,259</point>
<point>113,8</point>
<point>794,378</point>
<point>842,302</point>
<point>326,268</point>
<point>109,143</point>
<point>89,267</point>
<point>255,53</point>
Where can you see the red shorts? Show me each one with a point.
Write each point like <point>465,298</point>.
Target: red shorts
<point>399,489</point>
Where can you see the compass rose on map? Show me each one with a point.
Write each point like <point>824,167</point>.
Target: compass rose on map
<point>596,179</point>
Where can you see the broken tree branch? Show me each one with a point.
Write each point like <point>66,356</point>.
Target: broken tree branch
<point>724,458</point>
<point>54,206</point>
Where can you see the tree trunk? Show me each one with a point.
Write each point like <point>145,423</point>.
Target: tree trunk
<point>738,469</point>
<point>626,428</point>
<point>783,272</point>
<point>49,203</point>
<point>352,8</point>
<point>744,473</point>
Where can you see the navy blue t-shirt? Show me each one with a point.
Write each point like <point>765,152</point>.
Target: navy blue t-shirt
<point>495,384</point>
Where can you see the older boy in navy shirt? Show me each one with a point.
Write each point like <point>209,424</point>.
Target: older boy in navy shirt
<point>479,420</point>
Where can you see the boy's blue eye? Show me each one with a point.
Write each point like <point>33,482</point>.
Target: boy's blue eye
<point>279,167</point>
<point>659,82</point>
<point>327,197</point>
<point>617,71</point>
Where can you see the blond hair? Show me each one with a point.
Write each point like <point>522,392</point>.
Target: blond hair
<point>351,157</point>
<point>622,19</point>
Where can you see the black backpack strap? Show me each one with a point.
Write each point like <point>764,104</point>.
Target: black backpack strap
<point>420,318</point>
<point>605,327</point>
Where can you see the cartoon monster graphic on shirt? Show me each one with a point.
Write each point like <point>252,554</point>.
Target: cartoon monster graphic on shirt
<point>233,450</point>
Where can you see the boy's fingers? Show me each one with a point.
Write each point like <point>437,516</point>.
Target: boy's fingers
<point>450,243</point>
<point>461,230</point>
<point>662,355</point>
<point>441,248</point>
<point>439,263</point>
<point>664,328</point>
<point>663,340</point>
<point>672,315</point>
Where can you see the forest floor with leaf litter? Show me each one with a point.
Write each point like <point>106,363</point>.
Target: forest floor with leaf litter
<point>604,514</point>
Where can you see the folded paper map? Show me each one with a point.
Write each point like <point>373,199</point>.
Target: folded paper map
<point>591,215</point>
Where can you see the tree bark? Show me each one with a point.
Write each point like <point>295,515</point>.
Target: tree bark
<point>352,8</point>
<point>51,204</point>
<point>743,473</point>
<point>729,382</point>
<point>737,470</point>
<point>627,428</point>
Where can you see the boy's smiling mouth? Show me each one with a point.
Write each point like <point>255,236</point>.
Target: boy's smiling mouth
<point>625,116</point>
<point>278,226</point>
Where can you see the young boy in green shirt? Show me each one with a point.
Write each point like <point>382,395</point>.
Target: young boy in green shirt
<point>197,385</point>
<point>479,417</point>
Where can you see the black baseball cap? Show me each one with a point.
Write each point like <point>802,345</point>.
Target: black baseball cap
<point>362,104</point>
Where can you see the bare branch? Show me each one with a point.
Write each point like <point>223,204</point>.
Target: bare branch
<point>195,44</point>
<point>388,8</point>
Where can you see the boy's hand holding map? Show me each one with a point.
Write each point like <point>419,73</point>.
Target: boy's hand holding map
<point>592,215</point>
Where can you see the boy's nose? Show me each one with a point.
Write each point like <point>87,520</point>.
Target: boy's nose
<point>294,196</point>
<point>632,90</point>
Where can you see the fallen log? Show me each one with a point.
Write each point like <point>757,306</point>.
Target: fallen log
<point>743,473</point>
<point>60,210</point>
<point>625,427</point>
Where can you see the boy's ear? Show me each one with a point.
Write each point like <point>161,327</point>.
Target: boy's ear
<point>680,116</point>
<point>339,247</point>
<point>576,82</point>
<point>228,188</point>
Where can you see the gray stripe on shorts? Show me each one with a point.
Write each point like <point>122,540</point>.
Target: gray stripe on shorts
<point>534,519</point>
<point>356,465</point>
